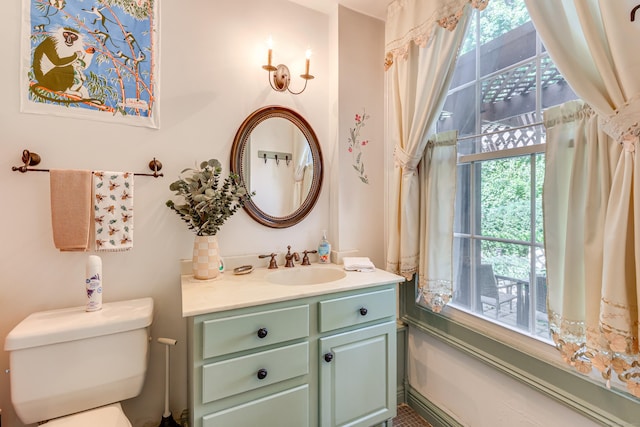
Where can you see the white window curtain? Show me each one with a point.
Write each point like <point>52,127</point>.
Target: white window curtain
<point>592,186</point>
<point>422,42</point>
<point>437,172</point>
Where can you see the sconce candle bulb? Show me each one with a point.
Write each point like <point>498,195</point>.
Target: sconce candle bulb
<point>281,76</point>
<point>269,67</point>
<point>306,69</point>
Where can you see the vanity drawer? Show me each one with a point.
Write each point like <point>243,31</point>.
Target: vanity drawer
<point>237,333</point>
<point>289,408</point>
<point>240,374</point>
<point>353,310</point>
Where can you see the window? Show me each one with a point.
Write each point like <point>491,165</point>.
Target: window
<point>502,81</point>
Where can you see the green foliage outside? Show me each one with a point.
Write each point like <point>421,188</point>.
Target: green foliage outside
<point>500,17</point>
<point>505,213</point>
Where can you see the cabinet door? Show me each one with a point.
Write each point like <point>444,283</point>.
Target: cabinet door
<point>358,377</point>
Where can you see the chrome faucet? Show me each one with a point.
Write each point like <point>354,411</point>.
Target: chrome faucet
<point>289,257</point>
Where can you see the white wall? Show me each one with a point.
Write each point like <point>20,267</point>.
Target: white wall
<point>360,222</point>
<point>475,394</point>
<point>211,79</point>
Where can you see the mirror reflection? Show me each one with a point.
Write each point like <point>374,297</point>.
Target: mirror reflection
<point>280,167</point>
<point>277,155</point>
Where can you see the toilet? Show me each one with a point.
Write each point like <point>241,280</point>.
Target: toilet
<point>71,367</point>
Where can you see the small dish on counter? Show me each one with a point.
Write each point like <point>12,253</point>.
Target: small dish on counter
<point>243,269</point>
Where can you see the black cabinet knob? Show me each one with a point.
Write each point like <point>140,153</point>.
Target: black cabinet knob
<point>363,311</point>
<point>262,374</point>
<point>262,332</point>
<point>328,357</point>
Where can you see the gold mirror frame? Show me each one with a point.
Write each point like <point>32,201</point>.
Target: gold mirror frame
<point>238,164</point>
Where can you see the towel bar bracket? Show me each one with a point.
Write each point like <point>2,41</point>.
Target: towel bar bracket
<point>29,159</point>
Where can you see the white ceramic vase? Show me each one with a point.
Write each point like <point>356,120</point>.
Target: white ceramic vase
<point>206,257</point>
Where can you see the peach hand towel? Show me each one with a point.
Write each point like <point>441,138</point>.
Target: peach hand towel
<point>70,208</point>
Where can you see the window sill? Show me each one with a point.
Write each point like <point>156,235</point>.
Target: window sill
<point>536,347</point>
<point>523,358</point>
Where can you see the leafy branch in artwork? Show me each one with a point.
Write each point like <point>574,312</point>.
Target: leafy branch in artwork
<point>355,146</point>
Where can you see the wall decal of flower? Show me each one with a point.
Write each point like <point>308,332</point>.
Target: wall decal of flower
<point>355,146</point>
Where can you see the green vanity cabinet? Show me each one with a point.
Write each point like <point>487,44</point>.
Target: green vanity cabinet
<point>320,361</point>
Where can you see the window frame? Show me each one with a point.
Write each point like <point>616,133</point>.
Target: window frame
<point>471,160</point>
<point>477,82</point>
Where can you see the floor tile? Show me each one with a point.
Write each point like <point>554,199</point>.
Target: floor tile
<point>407,417</point>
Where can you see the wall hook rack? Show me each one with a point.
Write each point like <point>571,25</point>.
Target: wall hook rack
<point>277,156</point>
<point>30,158</point>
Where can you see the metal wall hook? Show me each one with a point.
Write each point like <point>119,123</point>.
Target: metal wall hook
<point>277,161</point>
<point>288,160</point>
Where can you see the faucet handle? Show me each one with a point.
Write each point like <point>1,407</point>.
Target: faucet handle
<point>272,262</point>
<point>305,258</point>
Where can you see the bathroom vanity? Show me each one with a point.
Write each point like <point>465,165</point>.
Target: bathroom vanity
<point>265,350</point>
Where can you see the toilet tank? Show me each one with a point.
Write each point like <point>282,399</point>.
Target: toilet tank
<point>70,360</point>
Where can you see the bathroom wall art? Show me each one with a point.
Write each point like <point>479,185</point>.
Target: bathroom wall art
<point>355,146</point>
<point>94,59</point>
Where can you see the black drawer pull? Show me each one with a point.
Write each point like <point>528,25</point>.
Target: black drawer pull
<point>363,311</point>
<point>328,357</point>
<point>262,332</point>
<point>262,374</point>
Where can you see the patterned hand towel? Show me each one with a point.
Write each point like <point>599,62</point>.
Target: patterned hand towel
<point>70,208</point>
<point>113,210</point>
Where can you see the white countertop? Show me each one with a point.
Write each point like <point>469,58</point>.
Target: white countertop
<point>230,291</point>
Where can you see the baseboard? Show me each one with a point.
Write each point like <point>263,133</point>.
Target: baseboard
<point>428,410</point>
<point>401,362</point>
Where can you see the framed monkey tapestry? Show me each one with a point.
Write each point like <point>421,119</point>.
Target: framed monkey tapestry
<point>92,59</point>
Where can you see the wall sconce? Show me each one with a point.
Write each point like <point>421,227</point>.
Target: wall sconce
<point>282,76</point>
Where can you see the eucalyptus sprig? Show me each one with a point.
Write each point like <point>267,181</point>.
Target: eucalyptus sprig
<point>207,200</point>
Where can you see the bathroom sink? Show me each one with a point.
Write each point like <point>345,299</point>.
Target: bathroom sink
<point>305,276</point>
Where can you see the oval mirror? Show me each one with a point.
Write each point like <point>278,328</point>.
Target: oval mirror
<point>276,154</point>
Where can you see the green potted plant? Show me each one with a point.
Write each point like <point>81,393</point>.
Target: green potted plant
<point>206,201</point>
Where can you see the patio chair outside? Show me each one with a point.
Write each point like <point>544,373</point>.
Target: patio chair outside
<point>491,294</point>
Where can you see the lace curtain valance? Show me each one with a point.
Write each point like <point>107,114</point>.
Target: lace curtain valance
<point>414,21</point>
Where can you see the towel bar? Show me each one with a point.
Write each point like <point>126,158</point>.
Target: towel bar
<point>33,159</point>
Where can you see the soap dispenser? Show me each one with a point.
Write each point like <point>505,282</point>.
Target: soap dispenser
<point>324,249</point>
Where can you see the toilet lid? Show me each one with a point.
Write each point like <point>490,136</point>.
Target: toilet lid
<point>105,416</point>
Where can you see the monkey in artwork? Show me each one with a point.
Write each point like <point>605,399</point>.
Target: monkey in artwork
<point>99,17</point>
<point>59,62</point>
